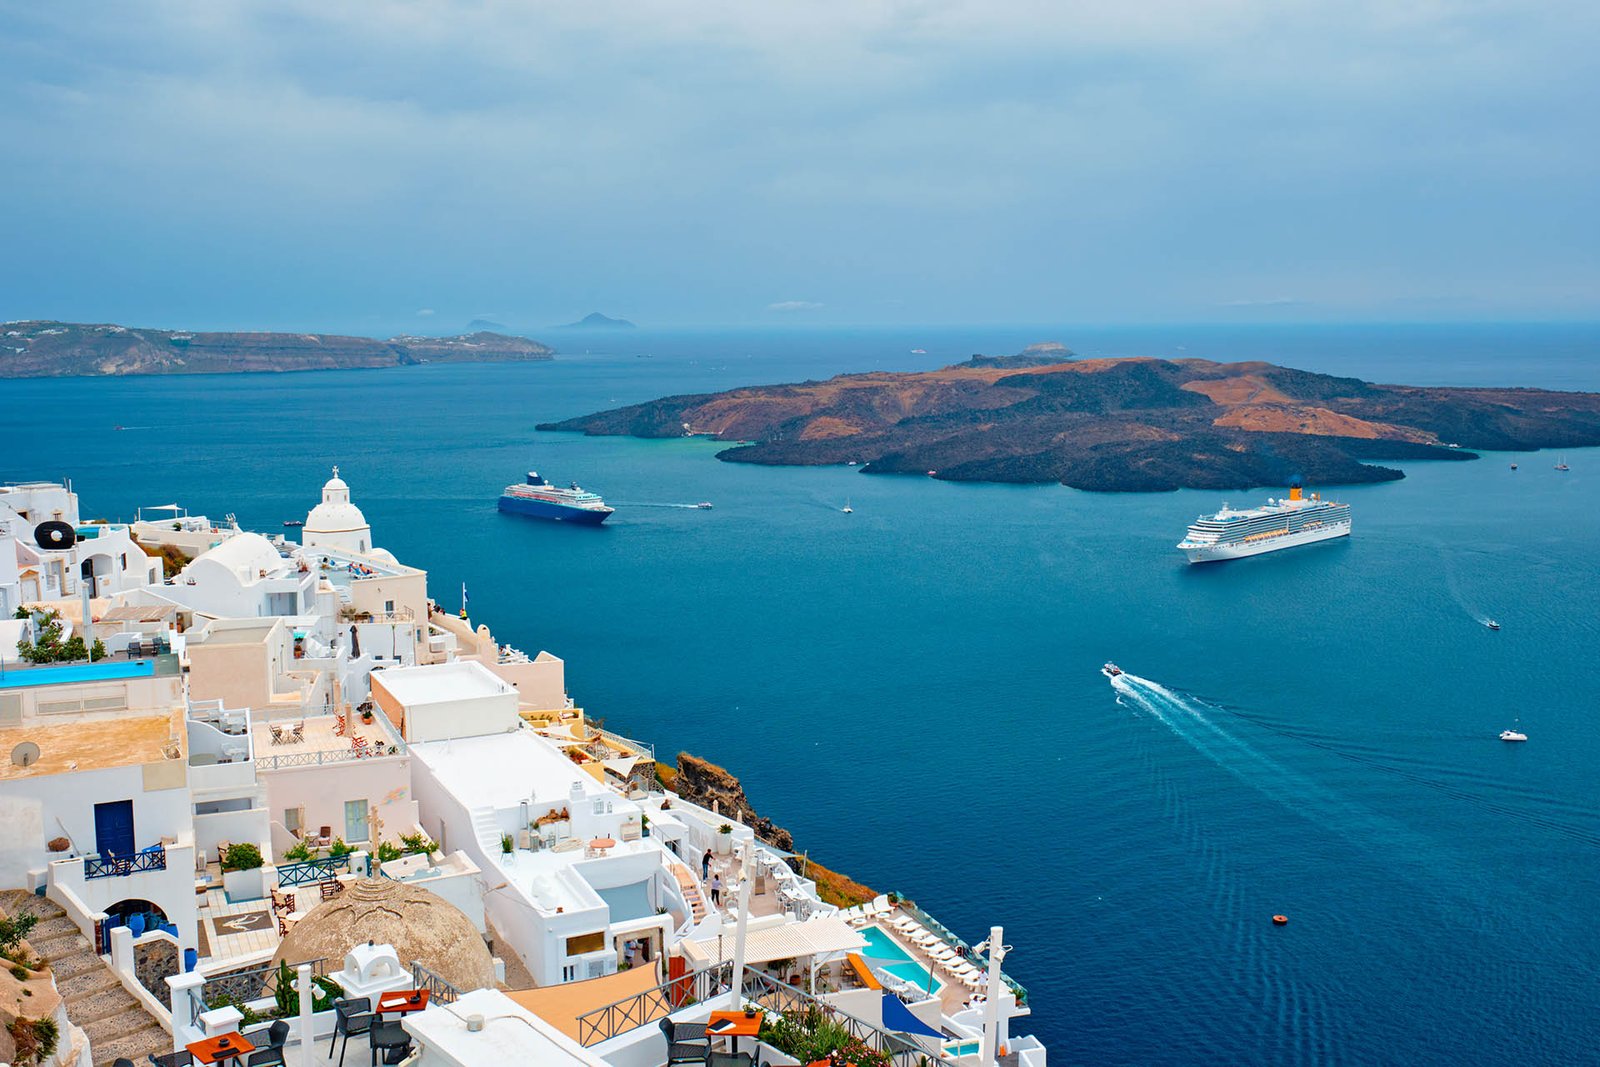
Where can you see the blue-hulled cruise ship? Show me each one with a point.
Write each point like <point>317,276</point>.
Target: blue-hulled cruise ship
<point>541,500</point>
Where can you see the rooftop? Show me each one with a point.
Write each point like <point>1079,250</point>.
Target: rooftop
<point>233,632</point>
<point>319,741</point>
<point>439,682</point>
<point>511,1034</point>
<point>93,744</point>
<point>502,770</point>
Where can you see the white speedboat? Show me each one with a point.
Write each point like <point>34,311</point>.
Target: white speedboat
<point>1491,624</point>
<point>1515,733</point>
<point>1111,670</point>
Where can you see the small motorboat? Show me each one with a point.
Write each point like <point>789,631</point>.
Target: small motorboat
<point>1562,466</point>
<point>293,522</point>
<point>1491,624</point>
<point>704,505</point>
<point>1513,466</point>
<point>1111,670</point>
<point>1512,735</point>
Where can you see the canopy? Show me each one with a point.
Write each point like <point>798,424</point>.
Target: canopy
<point>163,507</point>
<point>814,937</point>
<point>898,1017</point>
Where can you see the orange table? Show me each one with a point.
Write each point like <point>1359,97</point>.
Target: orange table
<point>734,1024</point>
<point>826,1063</point>
<point>400,1001</point>
<point>212,1050</point>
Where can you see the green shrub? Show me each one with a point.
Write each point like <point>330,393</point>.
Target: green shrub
<point>20,973</point>
<point>35,1039</point>
<point>338,850</point>
<point>241,857</point>
<point>299,852</point>
<point>14,929</point>
<point>388,851</point>
<point>414,843</point>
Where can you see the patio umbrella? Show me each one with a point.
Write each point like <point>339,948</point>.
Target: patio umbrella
<point>898,1017</point>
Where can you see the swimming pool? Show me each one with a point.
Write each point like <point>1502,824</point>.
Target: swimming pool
<point>882,952</point>
<point>77,672</point>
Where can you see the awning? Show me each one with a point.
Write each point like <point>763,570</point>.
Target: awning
<point>898,1017</point>
<point>815,937</point>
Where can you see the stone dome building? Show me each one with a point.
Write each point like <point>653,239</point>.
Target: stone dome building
<point>422,926</point>
<point>336,523</point>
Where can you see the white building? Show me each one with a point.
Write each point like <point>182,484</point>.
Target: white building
<point>245,577</point>
<point>104,555</point>
<point>336,523</point>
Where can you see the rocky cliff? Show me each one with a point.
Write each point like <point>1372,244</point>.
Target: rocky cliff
<point>41,349</point>
<point>1113,424</point>
<point>703,782</point>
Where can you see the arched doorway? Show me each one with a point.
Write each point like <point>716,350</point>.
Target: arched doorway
<point>138,915</point>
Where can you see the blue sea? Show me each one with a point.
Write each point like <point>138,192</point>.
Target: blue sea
<point>914,689</point>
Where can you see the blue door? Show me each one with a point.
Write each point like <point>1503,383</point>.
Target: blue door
<point>113,828</point>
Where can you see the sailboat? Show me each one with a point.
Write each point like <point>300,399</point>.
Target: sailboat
<point>1515,733</point>
<point>847,509</point>
<point>1562,466</point>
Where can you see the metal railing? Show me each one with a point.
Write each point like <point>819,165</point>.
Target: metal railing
<point>252,983</point>
<point>796,1004</point>
<point>440,990</point>
<point>645,750</point>
<point>119,866</point>
<point>938,929</point>
<point>644,1008</point>
<point>309,872</point>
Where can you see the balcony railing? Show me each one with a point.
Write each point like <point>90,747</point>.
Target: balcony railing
<point>311,872</point>
<point>792,1003</point>
<point>119,866</point>
<point>440,991</point>
<point>644,1008</point>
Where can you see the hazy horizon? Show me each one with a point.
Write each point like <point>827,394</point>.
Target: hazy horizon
<point>374,169</point>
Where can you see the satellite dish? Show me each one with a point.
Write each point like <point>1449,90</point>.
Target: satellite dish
<point>25,754</point>
<point>55,536</point>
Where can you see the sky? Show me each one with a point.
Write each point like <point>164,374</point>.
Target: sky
<point>411,166</point>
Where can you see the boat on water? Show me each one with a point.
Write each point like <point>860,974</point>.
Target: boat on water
<point>1491,624</point>
<point>847,509</point>
<point>1298,520</point>
<point>704,505</point>
<point>538,499</point>
<point>1513,466</point>
<point>294,522</point>
<point>1111,670</point>
<point>1562,466</point>
<point>1515,733</point>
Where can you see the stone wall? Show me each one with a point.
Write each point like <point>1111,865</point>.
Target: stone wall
<point>153,962</point>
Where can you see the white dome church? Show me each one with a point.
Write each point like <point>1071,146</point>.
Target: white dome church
<point>336,523</point>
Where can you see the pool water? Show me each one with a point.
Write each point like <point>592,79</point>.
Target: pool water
<point>881,949</point>
<point>77,672</point>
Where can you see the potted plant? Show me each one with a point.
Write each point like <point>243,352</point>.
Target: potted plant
<point>724,843</point>
<point>58,845</point>
<point>241,872</point>
<point>507,845</point>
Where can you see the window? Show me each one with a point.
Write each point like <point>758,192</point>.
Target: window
<point>355,821</point>
<point>595,942</point>
<point>388,607</point>
<point>291,820</point>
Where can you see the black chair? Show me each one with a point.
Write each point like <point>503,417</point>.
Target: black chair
<point>181,1058</point>
<point>689,1050</point>
<point>732,1059</point>
<point>122,1061</point>
<point>277,1034</point>
<point>351,1017</point>
<point>391,1038</point>
<point>272,1056</point>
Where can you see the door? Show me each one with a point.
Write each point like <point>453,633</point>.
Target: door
<point>355,821</point>
<point>113,828</point>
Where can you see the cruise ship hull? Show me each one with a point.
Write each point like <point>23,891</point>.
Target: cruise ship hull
<point>1240,549</point>
<point>544,509</point>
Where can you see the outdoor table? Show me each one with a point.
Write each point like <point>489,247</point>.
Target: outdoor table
<point>400,1001</point>
<point>210,1050</point>
<point>734,1024</point>
<point>603,843</point>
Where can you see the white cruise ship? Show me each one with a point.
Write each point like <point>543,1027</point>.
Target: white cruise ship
<point>1231,534</point>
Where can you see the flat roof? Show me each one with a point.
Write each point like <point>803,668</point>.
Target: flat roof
<point>233,632</point>
<point>438,682</point>
<point>560,1005</point>
<point>502,770</point>
<point>91,744</point>
<point>524,1039</point>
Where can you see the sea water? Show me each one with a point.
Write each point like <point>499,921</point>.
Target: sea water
<point>914,689</point>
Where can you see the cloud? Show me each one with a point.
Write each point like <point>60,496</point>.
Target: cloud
<point>795,305</point>
<point>424,312</point>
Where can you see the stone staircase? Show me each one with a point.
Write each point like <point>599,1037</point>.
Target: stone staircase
<point>116,1023</point>
<point>691,892</point>
<point>487,830</point>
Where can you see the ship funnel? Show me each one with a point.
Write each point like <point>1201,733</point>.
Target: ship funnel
<point>1294,491</point>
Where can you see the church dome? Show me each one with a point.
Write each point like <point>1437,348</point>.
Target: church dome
<point>335,514</point>
<point>421,925</point>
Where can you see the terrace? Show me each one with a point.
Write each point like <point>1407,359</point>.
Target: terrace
<point>288,740</point>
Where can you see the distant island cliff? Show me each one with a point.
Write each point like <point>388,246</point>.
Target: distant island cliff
<point>44,349</point>
<point>1113,424</point>
<point>596,321</point>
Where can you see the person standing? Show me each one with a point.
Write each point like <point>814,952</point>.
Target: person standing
<point>705,866</point>
<point>716,890</point>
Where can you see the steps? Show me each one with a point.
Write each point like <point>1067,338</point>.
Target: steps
<point>691,892</point>
<point>486,830</point>
<point>116,1023</point>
